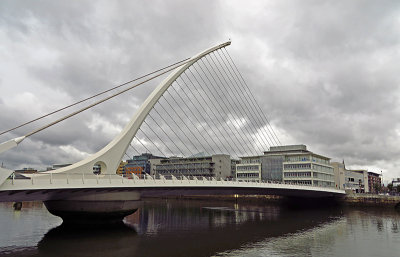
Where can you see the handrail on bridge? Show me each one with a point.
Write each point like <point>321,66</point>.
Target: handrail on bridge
<point>86,178</point>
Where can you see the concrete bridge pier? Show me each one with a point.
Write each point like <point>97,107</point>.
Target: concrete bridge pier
<point>95,207</point>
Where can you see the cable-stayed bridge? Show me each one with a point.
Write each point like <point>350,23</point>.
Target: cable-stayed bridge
<point>203,105</point>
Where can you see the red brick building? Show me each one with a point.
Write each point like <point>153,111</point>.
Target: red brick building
<point>373,179</point>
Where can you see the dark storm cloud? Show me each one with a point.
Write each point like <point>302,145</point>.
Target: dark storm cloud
<point>324,72</point>
<point>91,48</point>
<point>338,64</point>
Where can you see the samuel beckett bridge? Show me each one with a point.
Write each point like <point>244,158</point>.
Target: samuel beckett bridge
<point>203,105</point>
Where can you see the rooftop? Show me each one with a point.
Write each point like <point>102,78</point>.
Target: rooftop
<point>292,150</point>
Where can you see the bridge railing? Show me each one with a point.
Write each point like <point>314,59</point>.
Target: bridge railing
<point>117,179</point>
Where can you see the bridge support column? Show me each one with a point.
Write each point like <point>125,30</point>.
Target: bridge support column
<point>95,207</point>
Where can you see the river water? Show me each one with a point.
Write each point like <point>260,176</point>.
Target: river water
<point>205,228</point>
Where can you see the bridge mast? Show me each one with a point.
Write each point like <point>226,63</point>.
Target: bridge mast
<point>111,155</point>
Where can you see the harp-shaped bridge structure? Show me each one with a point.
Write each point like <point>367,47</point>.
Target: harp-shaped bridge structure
<point>75,191</point>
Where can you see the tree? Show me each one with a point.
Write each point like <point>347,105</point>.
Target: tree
<point>377,187</point>
<point>390,187</point>
<point>398,188</point>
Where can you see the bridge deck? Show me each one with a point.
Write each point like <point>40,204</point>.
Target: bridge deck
<point>51,187</point>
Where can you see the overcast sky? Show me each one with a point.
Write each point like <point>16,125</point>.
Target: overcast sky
<point>324,72</point>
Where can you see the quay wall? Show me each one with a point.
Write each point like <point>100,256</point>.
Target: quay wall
<point>372,200</point>
<point>351,199</point>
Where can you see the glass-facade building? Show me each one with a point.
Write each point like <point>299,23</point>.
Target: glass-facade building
<point>139,164</point>
<point>300,166</point>
<point>291,164</point>
<point>272,167</point>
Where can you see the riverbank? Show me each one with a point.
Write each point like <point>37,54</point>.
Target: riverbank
<point>351,199</point>
<point>229,198</point>
<point>372,200</point>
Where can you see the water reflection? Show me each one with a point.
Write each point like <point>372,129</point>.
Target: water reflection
<point>115,240</point>
<point>168,216</point>
<point>367,232</point>
<point>203,228</point>
<point>200,228</point>
<point>395,227</point>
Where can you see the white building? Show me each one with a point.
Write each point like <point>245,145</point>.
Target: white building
<point>396,182</point>
<point>301,166</point>
<point>290,164</point>
<point>219,166</point>
<point>249,169</point>
<point>355,180</point>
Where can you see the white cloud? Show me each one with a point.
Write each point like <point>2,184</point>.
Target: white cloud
<point>102,126</point>
<point>73,152</point>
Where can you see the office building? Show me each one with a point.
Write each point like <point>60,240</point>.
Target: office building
<point>396,182</point>
<point>219,166</point>
<point>339,171</point>
<point>346,179</point>
<point>121,167</point>
<point>272,166</point>
<point>301,166</point>
<point>358,180</point>
<point>27,171</point>
<point>58,166</point>
<point>290,164</point>
<point>139,164</point>
<point>355,180</point>
<point>249,169</point>
<point>374,181</point>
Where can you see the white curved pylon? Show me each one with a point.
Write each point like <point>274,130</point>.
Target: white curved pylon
<point>111,155</point>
